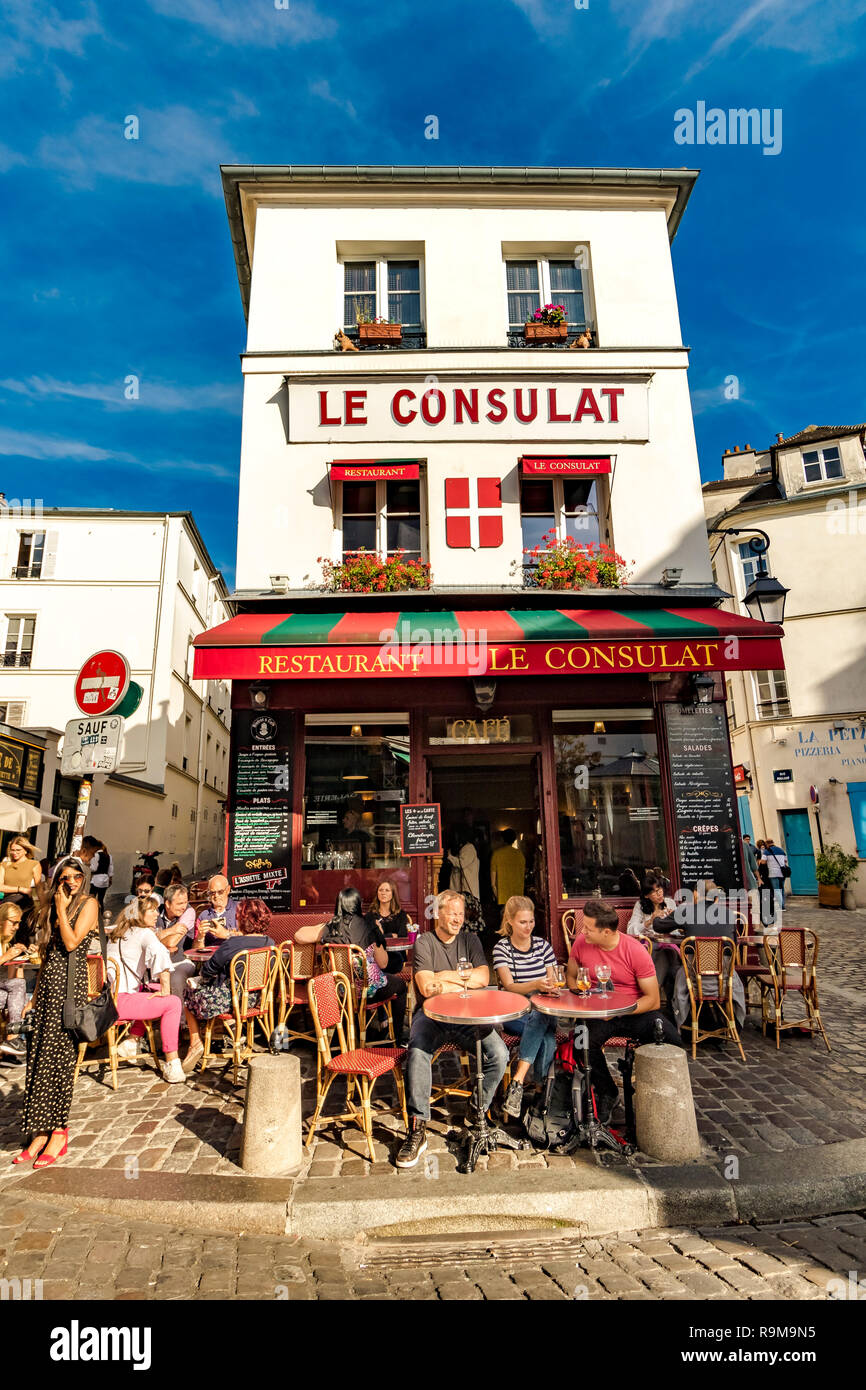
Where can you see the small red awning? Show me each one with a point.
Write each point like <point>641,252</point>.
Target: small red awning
<point>538,466</point>
<point>370,470</point>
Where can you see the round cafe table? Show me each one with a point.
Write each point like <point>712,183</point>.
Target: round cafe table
<point>480,1010</point>
<point>565,1004</point>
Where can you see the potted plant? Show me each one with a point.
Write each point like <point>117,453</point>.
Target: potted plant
<point>363,572</point>
<point>565,564</point>
<point>373,328</point>
<point>835,870</point>
<point>547,323</point>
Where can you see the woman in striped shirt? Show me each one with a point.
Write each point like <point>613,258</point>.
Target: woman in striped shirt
<point>525,964</point>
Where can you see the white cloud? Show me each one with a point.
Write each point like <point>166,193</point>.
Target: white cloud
<point>153,395</point>
<point>20,444</point>
<point>322,89</point>
<point>32,27</point>
<point>39,296</point>
<point>251,23</point>
<point>9,158</point>
<point>177,146</point>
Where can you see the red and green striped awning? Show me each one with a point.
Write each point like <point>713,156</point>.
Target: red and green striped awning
<point>560,641</point>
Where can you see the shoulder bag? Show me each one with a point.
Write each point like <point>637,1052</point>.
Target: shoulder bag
<point>89,1021</point>
<point>786,868</point>
<point>473,917</point>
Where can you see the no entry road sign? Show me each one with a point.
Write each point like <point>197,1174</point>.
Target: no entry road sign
<point>101,683</point>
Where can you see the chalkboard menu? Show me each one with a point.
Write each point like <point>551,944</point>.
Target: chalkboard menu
<point>260,828</point>
<point>704,797</point>
<point>421,829</point>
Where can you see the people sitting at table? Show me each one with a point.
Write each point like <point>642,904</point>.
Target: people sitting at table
<point>137,957</point>
<point>652,916</point>
<point>144,889</point>
<point>175,927</point>
<point>386,913</point>
<point>13,986</point>
<point>348,926</point>
<point>437,953</point>
<point>210,994</point>
<point>526,964</point>
<point>707,914</point>
<point>218,921</point>
<point>634,979</point>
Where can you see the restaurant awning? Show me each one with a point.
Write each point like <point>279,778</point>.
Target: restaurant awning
<point>547,466</point>
<point>563,641</point>
<point>370,471</point>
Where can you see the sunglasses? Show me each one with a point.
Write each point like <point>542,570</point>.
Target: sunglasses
<point>72,878</point>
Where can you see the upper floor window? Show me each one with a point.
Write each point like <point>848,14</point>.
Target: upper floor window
<point>750,565</point>
<point>822,465</point>
<point>771,694</point>
<point>566,506</point>
<point>382,517</point>
<point>383,288</point>
<point>31,548</point>
<point>535,281</point>
<point>20,632</point>
<point>12,712</point>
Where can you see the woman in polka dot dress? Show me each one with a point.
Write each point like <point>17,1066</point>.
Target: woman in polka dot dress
<point>65,920</point>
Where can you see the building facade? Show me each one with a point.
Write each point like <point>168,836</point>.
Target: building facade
<point>58,608</point>
<point>799,734</point>
<point>455,437</point>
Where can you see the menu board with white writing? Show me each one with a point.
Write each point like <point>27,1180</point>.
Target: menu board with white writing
<point>260,828</point>
<point>704,796</point>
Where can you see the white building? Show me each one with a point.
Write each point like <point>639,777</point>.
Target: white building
<point>803,727</point>
<point>77,581</point>
<point>462,439</point>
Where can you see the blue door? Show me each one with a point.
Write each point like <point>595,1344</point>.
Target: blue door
<point>857,797</point>
<point>797,839</point>
<point>745,812</point>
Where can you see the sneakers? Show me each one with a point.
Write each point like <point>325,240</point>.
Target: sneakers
<point>192,1058</point>
<point>14,1048</point>
<point>173,1071</point>
<point>414,1145</point>
<point>127,1051</point>
<point>513,1103</point>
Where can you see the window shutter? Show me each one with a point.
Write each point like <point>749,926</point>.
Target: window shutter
<point>15,710</point>
<point>49,557</point>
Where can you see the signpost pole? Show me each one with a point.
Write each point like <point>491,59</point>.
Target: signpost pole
<point>84,790</point>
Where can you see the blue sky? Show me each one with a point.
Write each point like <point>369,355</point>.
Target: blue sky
<point>117,256</point>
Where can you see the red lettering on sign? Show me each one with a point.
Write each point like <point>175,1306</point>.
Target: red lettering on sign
<point>588,405</point>
<point>498,409</point>
<point>400,416</point>
<point>469,404</point>
<point>355,401</point>
<point>553,414</point>
<point>525,417</point>
<point>613,392</point>
<point>428,401</point>
<point>324,417</point>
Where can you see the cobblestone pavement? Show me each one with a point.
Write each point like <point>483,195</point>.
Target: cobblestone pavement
<point>772,1102</point>
<point>84,1256</point>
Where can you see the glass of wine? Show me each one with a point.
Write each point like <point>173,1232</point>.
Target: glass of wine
<point>582,983</point>
<point>602,974</point>
<point>464,970</point>
<point>559,976</point>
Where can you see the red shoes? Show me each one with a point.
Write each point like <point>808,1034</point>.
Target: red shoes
<point>26,1156</point>
<point>45,1160</point>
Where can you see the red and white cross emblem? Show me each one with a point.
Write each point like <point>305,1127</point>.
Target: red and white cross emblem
<point>469,527</point>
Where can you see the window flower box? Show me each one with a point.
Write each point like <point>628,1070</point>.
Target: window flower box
<point>380,332</point>
<point>363,572</point>
<point>539,332</point>
<point>564,564</point>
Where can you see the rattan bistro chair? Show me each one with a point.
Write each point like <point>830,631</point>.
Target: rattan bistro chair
<point>116,1033</point>
<point>331,1005</point>
<point>251,976</point>
<point>709,963</point>
<point>792,960</point>
<point>296,965</point>
<point>351,961</point>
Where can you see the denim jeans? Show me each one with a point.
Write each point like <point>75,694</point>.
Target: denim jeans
<point>537,1041</point>
<point>778,887</point>
<point>426,1036</point>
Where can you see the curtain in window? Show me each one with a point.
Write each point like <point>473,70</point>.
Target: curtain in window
<point>404,293</point>
<point>523,293</point>
<point>360,291</point>
<point>566,287</point>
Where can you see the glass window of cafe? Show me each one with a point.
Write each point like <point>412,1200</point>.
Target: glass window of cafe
<point>356,777</point>
<point>609,800</point>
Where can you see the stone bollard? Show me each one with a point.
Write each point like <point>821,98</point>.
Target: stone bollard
<point>663,1105</point>
<point>271,1140</point>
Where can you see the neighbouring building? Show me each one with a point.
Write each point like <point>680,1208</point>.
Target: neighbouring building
<point>77,581</point>
<point>589,720</point>
<point>800,732</point>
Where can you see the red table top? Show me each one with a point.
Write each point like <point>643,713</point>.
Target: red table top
<point>566,1004</point>
<point>480,1007</point>
<point>199,952</point>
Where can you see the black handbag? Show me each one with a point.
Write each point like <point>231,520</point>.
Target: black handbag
<point>473,916</point>
<point>87,1022</point>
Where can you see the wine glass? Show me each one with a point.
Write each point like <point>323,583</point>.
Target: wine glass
<point>602,974</point>
<point>464,970</point>
<point>582,983</point>
<point>559,975</point>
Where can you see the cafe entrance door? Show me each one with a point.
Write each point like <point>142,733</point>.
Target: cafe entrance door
<point>481,795</point>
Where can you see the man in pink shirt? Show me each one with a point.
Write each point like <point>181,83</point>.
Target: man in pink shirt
<point>632,974</point>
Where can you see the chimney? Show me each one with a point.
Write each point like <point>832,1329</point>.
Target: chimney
<point>736,448</point>
<point>739,463</point>
<point>779,438</point>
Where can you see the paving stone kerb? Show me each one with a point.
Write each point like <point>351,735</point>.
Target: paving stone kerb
<point>664,1107</point>
<point>271,1141</point>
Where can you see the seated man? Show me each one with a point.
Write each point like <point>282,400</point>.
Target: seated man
<point>436,955</point>
<point>144,890</point>
<point>631,974</point>
<point>175,927</point>
<point>219,920</point>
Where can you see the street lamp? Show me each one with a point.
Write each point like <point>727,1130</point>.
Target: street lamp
<point>765,596</point>
<point>704,688</point>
